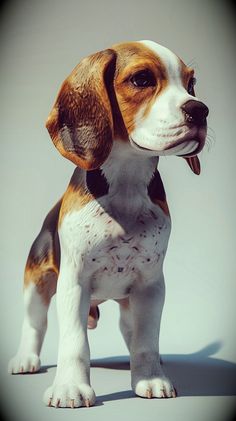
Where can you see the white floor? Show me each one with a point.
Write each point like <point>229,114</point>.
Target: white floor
<point>205,385</point>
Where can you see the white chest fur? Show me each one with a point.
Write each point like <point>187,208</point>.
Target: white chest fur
<point>122,237</point>
<point>110,256</point>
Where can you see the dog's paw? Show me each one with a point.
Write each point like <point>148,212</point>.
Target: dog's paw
<point>69,395</point>
<point>158,387</point>
<point>24,363</point>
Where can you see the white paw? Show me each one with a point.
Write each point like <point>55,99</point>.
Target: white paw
<point>69,395</point>
<point>157,387</point>
<point>24,363</point>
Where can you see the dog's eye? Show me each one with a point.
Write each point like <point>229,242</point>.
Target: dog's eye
<point>143,79</point>
<point>191,84</point>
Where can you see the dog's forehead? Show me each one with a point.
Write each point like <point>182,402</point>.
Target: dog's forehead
<point>132,53</point>
<point>171,61</point>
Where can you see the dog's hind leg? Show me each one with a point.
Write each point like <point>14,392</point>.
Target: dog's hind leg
<point>40,280</point>
<point>93,317</point>
<point>126,325</point>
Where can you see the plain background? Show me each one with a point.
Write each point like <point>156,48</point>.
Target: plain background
<point>41,41</point>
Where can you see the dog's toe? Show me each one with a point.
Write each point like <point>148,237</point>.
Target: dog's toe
<point>24,363</point>
<point>158,387</point>
<point>69,395</point>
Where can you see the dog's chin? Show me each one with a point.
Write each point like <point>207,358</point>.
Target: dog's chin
<point>187,146</point>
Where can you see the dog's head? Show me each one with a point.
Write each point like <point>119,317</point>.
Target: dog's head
<point>137,92</point>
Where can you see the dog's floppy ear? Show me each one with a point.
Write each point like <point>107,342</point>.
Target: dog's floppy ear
<point>80,123</point>
<point>194,164</point>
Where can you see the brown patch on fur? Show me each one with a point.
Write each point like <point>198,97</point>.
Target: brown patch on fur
<point>82,189</point>
<point>131,58</point>
<point>80,123</point>
<point>42,266</point>
<point>44,276</point>
<point>186,74</point>
<point>47,285</point>
<point>74,199</point>
<point>163,205</point>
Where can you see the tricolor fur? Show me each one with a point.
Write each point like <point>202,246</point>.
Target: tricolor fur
<point>118,111</point>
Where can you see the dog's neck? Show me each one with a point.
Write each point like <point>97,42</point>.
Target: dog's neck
<point>128,174</point>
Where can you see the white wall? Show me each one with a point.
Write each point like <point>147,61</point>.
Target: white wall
<point>40,44</point>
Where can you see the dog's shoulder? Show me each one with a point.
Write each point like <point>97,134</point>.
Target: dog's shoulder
<point>84,187</point>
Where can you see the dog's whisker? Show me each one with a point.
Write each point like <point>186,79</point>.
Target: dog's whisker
<point>193,64</point>
<point>210,138</point>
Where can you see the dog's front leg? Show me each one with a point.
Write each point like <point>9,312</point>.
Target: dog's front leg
<point>71,386</point>
<point>148,378</point>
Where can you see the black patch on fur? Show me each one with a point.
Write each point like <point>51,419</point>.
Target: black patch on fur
<point>47,242</point>
<point>156,189</point>
<point>97,183</point>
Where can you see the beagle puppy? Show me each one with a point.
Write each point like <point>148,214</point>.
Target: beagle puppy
<point>106,238</point>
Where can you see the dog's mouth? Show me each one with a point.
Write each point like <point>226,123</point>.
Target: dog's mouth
<point>184,148</point>
<point>180,148</point>
<point>190,144</point>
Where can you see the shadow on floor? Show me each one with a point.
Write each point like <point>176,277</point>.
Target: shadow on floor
<point>197,374</point>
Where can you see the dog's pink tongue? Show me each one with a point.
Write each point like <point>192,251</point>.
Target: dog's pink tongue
<point>93,317</point>
<point>194,164</point>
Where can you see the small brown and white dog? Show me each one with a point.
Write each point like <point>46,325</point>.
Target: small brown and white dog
<point>116,113</point>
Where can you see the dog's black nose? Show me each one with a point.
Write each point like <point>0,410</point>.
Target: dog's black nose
<point>195,112</point>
